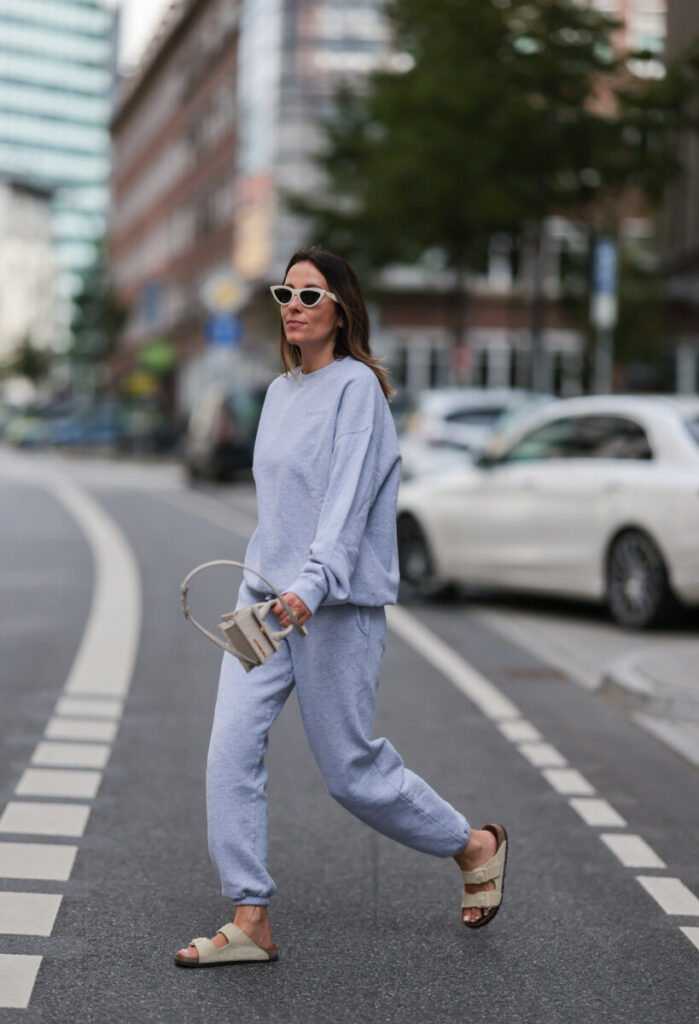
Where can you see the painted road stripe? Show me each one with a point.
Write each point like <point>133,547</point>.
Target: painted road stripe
<point>80,729</point>
<point>76,755</point>
<point>89,707</point>
<point>434,650</point>
<point>519,730</point>
<point>692,934</point>
<point>57,782</point>
<point>632,851</point>
<point>28,913</point>
<point>233,520</point>
<point>39,819</point>
<point>17,976</point>
<point>105,659</point>
<point>568,781</point>
<point>672,895</point>
<point>542,755</point>
<point>597,812</point>
<point>45,861</point>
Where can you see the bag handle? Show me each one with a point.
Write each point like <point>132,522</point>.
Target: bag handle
<point>184,589</point>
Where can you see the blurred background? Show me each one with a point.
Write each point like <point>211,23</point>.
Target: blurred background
<point>518,184</point>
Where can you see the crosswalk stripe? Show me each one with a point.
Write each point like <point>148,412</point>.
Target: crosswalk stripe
<point>632,850</point>
<point>18,973</point>
<point>597,812</point>
<point>80,729</point>
<point>71,782</point>
<point>40,819</point>
<point>671,894</point>
<point>28,913</point>
<point>692,934</point>
<point>75,755</point>
<point>46,861</point>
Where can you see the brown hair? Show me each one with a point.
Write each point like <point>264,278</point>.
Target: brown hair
<point>352,339</point>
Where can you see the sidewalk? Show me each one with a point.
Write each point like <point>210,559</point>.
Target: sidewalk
<point>660,686</point>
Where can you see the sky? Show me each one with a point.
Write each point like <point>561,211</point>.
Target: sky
<point>139,19</point>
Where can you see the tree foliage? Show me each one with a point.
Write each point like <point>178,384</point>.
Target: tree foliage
<point>98,315</point>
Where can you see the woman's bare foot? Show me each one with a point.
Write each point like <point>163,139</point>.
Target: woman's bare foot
<point>252,920</point>
<point>481,846</point>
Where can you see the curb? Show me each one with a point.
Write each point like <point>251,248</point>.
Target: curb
<point>628,686</point>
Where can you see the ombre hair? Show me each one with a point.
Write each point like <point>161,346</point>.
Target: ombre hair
<point>352,338</point>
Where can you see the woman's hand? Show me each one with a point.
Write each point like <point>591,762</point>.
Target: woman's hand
<point>297,606</point>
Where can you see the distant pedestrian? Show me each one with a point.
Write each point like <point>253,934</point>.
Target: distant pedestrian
<point>327,468</point>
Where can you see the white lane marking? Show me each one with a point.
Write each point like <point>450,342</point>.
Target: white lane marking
<point>568,781</point>
<point>672,895</point>
<point>56,782</point>
<point>597,812</point>
<point>692,934</point>
<point>75,755</point>
<point>80,729</point>
<point>105,659</point>
<point>433,649</point>
<point>18,973</point>
<point>632,851</point>
<point>46,861</point>
<point>28,913</point>
<point>519,731</point>
<point>542,755</point>
<point>240,523</point>
<point>89,707</point>
<point>40,819</point>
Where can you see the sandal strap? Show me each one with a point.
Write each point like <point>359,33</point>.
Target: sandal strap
<point>485,900</point>
<point>204,947</point>
<point>489,871</point>
<point>231,931</point>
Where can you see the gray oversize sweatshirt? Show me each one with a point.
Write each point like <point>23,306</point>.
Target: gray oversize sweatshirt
<point>327,469</point>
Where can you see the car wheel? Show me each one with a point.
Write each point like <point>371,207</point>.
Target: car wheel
<point>415,560</point>
<point>638,592</point>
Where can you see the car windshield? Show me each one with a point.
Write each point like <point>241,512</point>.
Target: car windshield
<point>692,426</point>
<point>484,417</point>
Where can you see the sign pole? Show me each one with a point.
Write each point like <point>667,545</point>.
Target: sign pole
<point>604,311</point>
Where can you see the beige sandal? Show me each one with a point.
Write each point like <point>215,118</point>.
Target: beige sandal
<point>240,949</point>
<point>492,871</point>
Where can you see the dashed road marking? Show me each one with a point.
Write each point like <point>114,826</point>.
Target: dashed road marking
<point>89,707</point>
<point>632,851</point>
<point>59,728</point>
<point>597,812</point>
<point>519,731</point>
<point>18,973</point>
<point>542,755</point>
<point>671,894</point>
<point>28,913</point>
<point>568,781</point>
<point>71,755</point>
<point>40,819</point>
<point>46,861</point>
<point>692,934</point>
<point>88,710</point>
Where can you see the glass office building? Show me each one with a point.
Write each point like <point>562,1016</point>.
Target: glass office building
<point>57,72</point>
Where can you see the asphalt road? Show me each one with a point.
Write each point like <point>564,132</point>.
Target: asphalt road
<point>368,930</point>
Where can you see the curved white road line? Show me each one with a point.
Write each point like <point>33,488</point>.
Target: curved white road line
<point>107,653</point>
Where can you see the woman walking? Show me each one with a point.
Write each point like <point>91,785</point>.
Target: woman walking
<point>327,468</point>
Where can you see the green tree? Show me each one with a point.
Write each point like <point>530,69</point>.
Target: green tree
<point>97,321</point>
<point>30,361</point>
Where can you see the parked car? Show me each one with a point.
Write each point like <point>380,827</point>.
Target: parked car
<point>445,424</point>
<point>220,435</point>
<point>593,497</point>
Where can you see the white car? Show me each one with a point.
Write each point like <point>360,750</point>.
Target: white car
<point>444,425</point>
<point>594,497</point>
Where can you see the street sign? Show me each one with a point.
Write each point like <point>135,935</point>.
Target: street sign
<point>224,330</point>
<point>604,283</point>
<point>224,292</point>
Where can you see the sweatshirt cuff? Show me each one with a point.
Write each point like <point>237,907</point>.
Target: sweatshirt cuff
<point>310,593</point>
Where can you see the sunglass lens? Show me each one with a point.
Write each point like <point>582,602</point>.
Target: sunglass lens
<point>283,295</point>
<point>310,296</point>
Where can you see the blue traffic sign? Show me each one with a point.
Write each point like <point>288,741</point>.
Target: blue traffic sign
<point>224,329</point>
<point>605,267</point>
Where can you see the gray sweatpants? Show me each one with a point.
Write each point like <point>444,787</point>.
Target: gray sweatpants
<point>336,672</point>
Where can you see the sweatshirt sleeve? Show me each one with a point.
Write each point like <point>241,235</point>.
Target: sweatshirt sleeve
<point>350,494</point>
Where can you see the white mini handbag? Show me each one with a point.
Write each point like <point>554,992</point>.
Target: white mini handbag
<point>248,637</point>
